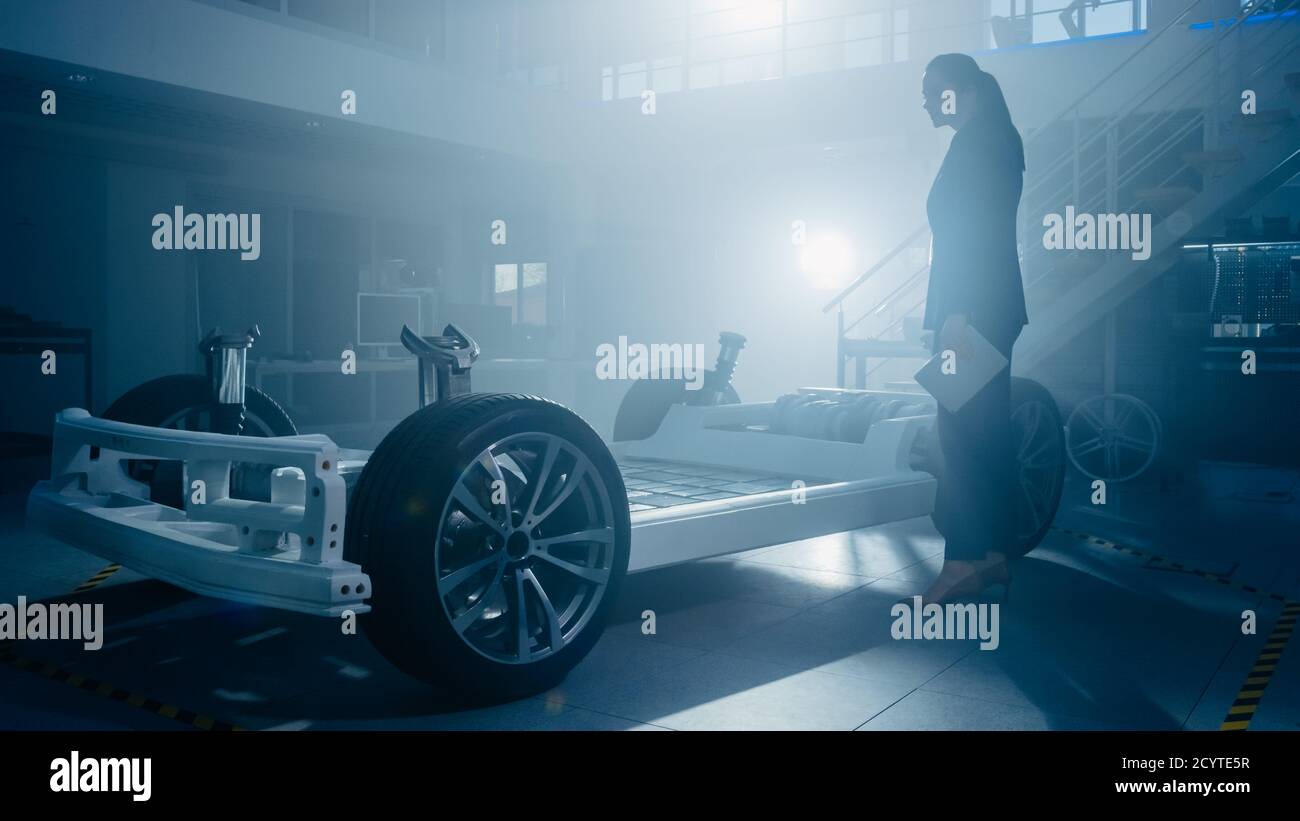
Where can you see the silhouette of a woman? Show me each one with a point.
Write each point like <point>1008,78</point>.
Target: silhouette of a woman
<point>975,281</point>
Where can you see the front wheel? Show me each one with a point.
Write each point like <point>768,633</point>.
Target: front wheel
<point>495,529</point>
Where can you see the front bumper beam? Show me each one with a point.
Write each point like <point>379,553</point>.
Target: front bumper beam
<point>286,553</point>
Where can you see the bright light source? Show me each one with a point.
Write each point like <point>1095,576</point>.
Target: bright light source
<point>827,261</point>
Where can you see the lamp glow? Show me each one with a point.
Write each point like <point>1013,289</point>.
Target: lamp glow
<point>827,261</point>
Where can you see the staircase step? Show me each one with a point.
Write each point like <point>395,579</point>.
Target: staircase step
<point>1270,116</point>
<point>1165,199</point>
<point>1047,280</point>
<point>1265,125</point>
<point>1214,163</point>
<point>1075,263</point>
<point>885,348</point>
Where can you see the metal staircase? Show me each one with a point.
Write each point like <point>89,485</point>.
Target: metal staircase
<point>1178,147</point>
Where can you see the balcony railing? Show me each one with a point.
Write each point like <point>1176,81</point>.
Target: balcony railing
<point>770,39</point>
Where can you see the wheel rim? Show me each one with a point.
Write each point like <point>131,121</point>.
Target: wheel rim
<point>525,548</point>
<point>1038,460</point>
<point>199,418</point>
<point>1113,437</point>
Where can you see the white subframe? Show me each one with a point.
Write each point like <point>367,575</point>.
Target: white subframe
<point>286,553</point>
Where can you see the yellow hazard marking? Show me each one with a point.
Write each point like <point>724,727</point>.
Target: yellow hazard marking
<point>1252,689</point>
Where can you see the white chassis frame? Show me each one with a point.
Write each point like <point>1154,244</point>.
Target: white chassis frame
<point>287,553</point>
<point>847,485</point>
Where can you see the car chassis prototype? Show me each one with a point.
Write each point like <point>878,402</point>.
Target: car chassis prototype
<point>486,537</point>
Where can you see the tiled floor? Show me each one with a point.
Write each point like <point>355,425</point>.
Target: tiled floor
<point>794,636</point>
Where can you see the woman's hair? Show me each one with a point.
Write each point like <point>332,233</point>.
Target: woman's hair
<point>964,73</point>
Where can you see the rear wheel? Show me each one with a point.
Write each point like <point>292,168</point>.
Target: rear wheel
<point>1038,436</point>
<point>495,529</point>
<point>1114,437</point>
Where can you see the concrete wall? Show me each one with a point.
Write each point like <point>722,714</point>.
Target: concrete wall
<point>76,228</point>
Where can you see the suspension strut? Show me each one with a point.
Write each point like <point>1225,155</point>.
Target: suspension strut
<point>716,382</point>
<point>445,362</point>
<point>227,364</point>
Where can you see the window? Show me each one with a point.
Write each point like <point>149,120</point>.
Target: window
<point>532,294</point>
<point>900,35</point>
<point>631,80</point>
<point>346,15</point>
<point>505,289</point>
<point>666,74</point>
<point>1056,20</point>
<point>413,28</point>
<point>411,24</point>
<point>865,43</point>
<point>522,288</point>
<point>725,42</point>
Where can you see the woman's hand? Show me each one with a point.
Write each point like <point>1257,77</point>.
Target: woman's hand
<point>952,332</point>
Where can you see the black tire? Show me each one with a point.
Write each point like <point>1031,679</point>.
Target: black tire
<point>646,403</point>
<point>408,534</point>
<point>158,402</point>
<point>1040,481</point>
